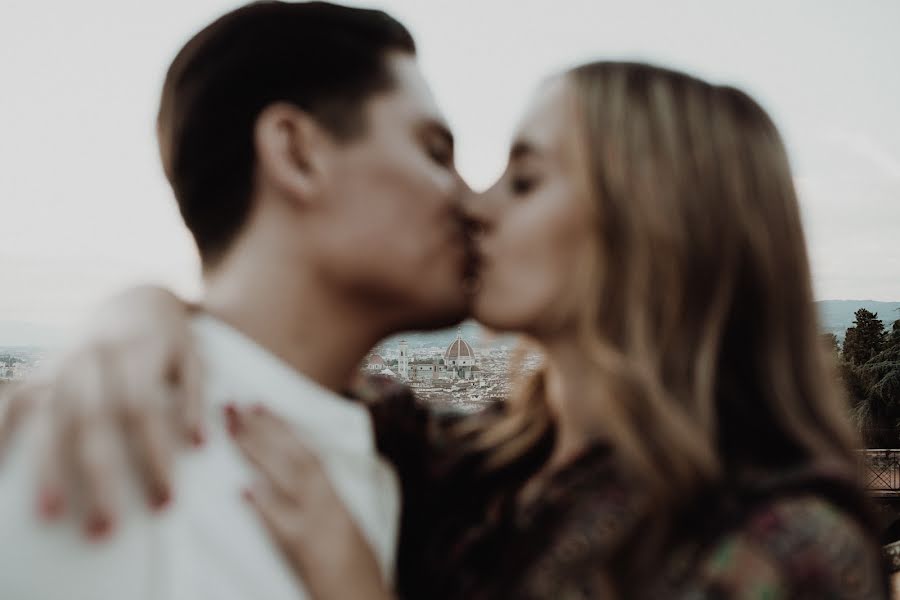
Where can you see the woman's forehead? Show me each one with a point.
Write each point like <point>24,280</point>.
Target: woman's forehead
<point>549,118</point>
<point>549,114</point>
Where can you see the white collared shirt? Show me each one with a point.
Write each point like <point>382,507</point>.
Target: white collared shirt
<point>209,544</point>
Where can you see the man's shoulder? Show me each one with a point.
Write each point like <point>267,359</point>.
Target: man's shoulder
<point>41,560</point>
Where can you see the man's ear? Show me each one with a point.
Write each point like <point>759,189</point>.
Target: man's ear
<point>290,150</point>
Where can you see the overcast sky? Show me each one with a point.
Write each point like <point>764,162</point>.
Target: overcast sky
<point>85,210</point>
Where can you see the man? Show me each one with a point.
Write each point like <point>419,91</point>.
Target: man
<point>316,175</point>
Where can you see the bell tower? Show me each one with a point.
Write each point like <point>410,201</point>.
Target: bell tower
<point>403,361</point>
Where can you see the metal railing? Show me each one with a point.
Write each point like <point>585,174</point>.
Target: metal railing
<point>881,471</point>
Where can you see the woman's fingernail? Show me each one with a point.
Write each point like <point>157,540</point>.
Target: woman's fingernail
<point>50,504</point>
<point>247,495</point>
<point>160,499</point>
<point>197,437</point>
<point>232,420</point>
<point>258,409</point>
<point>98,526</point>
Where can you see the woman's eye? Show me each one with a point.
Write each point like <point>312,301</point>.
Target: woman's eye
<point>522,185</point>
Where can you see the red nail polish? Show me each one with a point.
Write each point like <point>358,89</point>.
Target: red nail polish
<point>98,527</point>
<point>197,438</point>
<point>50,504</point>
<point>160,499</point>
<point>232,420</point>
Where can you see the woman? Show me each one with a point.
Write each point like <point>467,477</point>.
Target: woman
<point>683,438</point>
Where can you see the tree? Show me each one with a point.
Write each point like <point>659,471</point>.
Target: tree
<point>865,339</point>
<point>876,386</point>
<point>881,373</point>
<point>831,343</point>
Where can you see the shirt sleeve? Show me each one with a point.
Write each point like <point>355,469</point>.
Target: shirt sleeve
<point>52,561</point>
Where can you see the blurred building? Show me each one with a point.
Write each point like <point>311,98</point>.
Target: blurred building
<point>375,363</point>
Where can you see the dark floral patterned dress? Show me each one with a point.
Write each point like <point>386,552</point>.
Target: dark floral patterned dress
<point>465,536</point>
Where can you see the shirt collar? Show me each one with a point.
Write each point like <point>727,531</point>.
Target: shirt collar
<point>239,370</point>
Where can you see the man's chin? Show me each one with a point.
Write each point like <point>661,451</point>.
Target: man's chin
<point>440,317</point>
<point>449,318</point>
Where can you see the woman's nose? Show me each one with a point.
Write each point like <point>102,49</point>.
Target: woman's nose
<point>476,215</point>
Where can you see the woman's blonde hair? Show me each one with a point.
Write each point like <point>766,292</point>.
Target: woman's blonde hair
<point>698,317</point>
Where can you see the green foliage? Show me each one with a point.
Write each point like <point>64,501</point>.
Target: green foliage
<point>881,375</point>
<point>865,339</point>
<point>870,370</point>
<point>831,343</point>
<point>892,338</point>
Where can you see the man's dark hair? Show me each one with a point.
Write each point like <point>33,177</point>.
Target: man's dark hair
<point>323,58</point>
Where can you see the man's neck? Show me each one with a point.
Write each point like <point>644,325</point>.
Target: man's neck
<point>294,318</point>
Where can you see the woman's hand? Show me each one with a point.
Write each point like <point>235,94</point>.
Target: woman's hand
<point>134,383</point>
<point>301,510</point>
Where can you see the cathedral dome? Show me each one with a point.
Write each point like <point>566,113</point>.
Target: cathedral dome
<point>459,348</point>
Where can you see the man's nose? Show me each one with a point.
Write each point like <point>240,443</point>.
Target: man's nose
<point>478,209</point>
<point>472,212</point>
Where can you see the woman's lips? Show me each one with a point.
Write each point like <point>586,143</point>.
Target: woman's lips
<point>474,257</point>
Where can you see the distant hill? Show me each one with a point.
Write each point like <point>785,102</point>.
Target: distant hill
<point>13,333</point>
<point>472,332</point>
<point>835,316</point>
